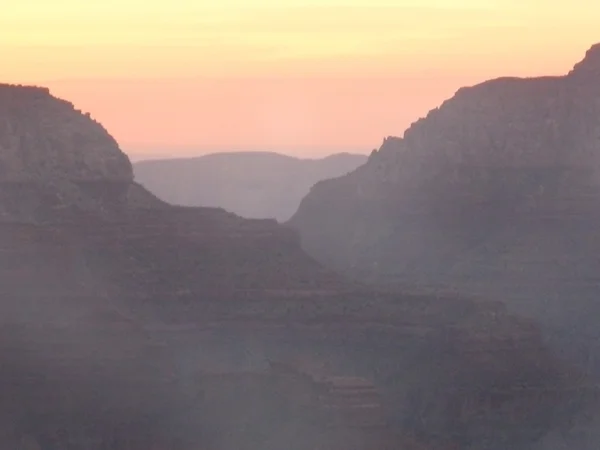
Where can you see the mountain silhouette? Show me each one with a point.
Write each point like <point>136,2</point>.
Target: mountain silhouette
<point>496,193</point>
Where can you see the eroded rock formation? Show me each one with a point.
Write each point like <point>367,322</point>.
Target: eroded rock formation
<point>496,193</point>
<point>44,138</point>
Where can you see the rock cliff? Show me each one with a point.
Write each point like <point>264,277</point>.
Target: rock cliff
<point>116,306</point>
<point>45,138</point>
<point>54,156</point>
<point>495,193</point>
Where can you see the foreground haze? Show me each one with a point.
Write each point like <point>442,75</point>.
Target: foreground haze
<point>303,78</point>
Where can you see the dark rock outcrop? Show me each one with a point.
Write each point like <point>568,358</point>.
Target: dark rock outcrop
<point>44,138</point>
<point>115,306</point>
<point>54,156</point>
<point>495,193</point>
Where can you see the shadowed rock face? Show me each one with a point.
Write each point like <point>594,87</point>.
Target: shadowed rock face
<point>42,137</point>
<point>495,193</point>
<point>53,156</point>
<point>116,306</point>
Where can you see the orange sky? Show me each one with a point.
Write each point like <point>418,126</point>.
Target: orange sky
<point>297,76</point>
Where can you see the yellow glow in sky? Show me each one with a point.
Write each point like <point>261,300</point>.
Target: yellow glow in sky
<point>446,42</point>
<point>146,38</point>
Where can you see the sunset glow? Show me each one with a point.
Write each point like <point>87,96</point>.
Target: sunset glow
<point>295,76</point>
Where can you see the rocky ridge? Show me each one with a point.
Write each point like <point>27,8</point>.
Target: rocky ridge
<point>47,138</point>
<point>495,193</point>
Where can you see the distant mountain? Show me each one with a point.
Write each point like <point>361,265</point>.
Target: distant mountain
<point>250,184</point>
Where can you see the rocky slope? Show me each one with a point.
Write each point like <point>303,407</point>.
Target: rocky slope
<point>44,138</point>
<point>116,308</point>
<point>252,184</point>
<point>495,193</point>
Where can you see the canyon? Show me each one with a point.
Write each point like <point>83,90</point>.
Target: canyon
<point>254,185</point>
<point>129,323</point>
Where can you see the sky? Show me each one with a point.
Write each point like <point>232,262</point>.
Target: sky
<point>180,77</point>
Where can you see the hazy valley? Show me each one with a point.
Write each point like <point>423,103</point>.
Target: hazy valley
<point>255,185</point>
<point>440,296</point>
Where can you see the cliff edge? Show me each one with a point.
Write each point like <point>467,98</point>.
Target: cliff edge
<point>495,193</point>
<point>45,138</point>
<point>53,156</point>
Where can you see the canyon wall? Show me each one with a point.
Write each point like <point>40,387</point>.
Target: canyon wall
<point>494,194</point>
